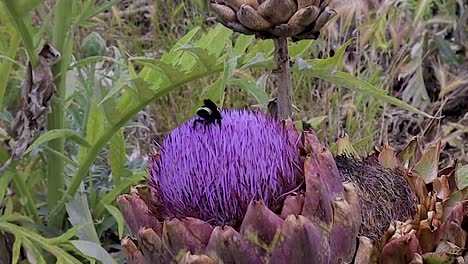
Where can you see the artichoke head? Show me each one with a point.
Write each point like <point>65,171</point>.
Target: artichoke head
<point>299,19</point>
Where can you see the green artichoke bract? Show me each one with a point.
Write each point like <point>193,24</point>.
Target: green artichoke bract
<point>315,224</point>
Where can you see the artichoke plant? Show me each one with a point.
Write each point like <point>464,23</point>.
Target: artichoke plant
<point>299,19</point>
<point>254,190</point>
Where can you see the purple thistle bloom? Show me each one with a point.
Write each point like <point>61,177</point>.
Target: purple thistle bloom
<point>212,173</point>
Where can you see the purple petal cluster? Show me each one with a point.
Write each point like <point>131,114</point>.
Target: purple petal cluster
<point>212,173</point>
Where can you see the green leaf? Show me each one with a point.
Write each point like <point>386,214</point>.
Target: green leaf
<point>174,54</point>
<point>259,61</point>
<point>167,70</point>
<point>15,217</point>
<point>117,156</point>
<point>462,174</point>
<point>59,133</point>
<point>351,82</point>
<point>65,237</point>
<point>4,182</point>
<point>215,40</point>
<point>88,11</point>
<point>315,122</point>
<point>93,250</point>
<point>298,48</point>
<point>79,215</point>
<point>258,93</point>
<point>203,57</point>
<point>33,251</point>
<point>242,43</point>
<point>16,249</point>
<point>93,60</point>
<point>215,91</point>
<point>230,65</point>
<point>60,155</point>
<point>118,218</point>
<point>39,241</point>
<point>112,195</point>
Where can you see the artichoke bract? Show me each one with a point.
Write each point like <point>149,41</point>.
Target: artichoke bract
<point>299,19</point>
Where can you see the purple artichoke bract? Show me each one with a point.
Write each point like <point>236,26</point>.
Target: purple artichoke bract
<point>213,172</point>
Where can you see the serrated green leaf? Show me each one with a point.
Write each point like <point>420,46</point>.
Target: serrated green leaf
<point>118,218</point>
<point>117,156</point>
<point>93,250</point>
<point>298,48</point>
<point>173,55</point>
<point>326,66</point>
<point>265,47</point>
<point>59,133</point>
<point>351,82</point>
<point>202,56</point>
<point>250,86</point>
<point>242,43</point>
<point>215,40</point>
<point>230,65</point>
<point>215,91</point>
<point>165,70</point>
<point>259,61</point>
<point>96,123</point>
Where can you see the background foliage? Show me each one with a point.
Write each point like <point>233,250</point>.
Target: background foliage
<point>130,71</point>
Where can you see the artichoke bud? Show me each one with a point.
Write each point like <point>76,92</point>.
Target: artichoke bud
<point>93,45</point>
<point>299,19</point>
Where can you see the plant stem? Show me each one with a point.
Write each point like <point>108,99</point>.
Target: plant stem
<point>55,165</point>
<point>283,78</point>
<point>23,30</point>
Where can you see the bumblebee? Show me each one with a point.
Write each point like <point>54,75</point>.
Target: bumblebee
<point>208,113</point>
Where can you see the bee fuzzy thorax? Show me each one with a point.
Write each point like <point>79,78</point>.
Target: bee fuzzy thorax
<point>208,113</point>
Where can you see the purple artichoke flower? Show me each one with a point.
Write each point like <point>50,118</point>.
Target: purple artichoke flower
<point>212,173</point>
<point>233,194</point>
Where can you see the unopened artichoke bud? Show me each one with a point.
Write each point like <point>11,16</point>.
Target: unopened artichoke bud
<point>299,19</point>
<point>93,45</point>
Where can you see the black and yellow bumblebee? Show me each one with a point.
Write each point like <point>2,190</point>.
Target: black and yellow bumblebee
<point>208,113</point>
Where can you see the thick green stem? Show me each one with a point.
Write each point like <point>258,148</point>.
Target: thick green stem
<point>283,78</point>
<point>55,165</point>
<point>23,30</point>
